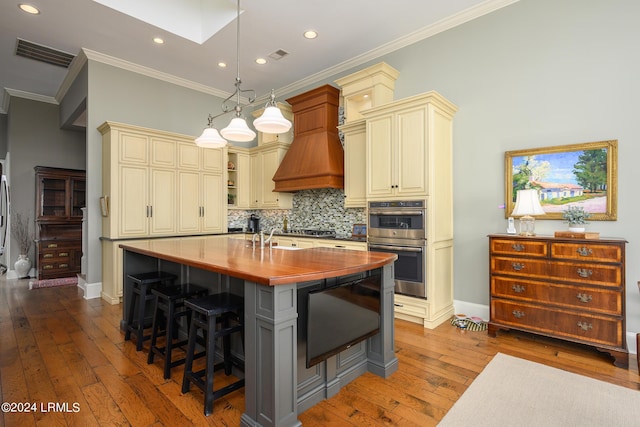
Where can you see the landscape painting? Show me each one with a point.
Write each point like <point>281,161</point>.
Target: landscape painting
<point>568,175</point>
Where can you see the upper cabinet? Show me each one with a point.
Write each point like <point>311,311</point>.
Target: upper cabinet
<point>60,193</point>
<point>264,164</point>
<point>371,87</point>
<point>143,169</point>
<point>408,145</point>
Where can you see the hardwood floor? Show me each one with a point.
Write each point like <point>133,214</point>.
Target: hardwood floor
<point>58,349</point>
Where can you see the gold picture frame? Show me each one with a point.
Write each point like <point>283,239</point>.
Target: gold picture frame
<point>585,174</point>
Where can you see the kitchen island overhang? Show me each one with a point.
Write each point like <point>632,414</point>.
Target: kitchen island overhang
<point>277,384</point>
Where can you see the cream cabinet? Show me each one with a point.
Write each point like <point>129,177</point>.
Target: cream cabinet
<point>340,244</point>
<point>142,185</point>
<point>239,178</point>
<point>355,143</point>
<point>408,144</point>
<point>156,184</point>
<point>264,163</point>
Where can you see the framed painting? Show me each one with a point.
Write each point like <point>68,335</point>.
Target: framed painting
<point>567,175</point>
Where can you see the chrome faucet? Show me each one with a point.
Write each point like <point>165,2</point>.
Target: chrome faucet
<point>268,240</point>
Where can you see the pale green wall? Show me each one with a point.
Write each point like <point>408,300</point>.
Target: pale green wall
<point>536,73</point>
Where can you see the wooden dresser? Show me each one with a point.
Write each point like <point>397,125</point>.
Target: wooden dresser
<point>572,289</point>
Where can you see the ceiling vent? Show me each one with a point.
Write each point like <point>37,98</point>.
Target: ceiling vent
<point>278,54</point>
<point>42,53</point>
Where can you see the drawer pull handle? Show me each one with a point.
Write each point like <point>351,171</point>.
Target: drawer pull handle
<point>63,265</point>
<point>518,288</point>
<point>584,297</point>
<point>585,326</point>
<point>584,273</point>
<point>584,251</point>
<point>64,253</point>
<point>518,314</point>
<point>47,267</point>
<point>518,247</point>
<point>47,256</point>
<point>52,245</point>
<point>517,266</point>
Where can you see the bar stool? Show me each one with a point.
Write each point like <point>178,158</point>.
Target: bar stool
<point>138,297</point>
<point>206,313</point>
<point>169,304</point>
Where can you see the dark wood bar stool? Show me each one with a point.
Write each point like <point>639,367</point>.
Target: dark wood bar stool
<point>169,306</point>
<point>139,294</point>
<point>206,313</point>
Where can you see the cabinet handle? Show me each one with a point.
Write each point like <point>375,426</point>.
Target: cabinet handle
<point>151,211</point>
<point>518,288</point>
<point>63,265</point>
<point>63,254</point>
<point>147,211</point>
<point>52,245</point>
<point>517,266</point>
<point>47,256</point>
<point>340,246</point>
<point>584,251</point>
<point>584,297</point>
<point>518,247</point>
<point>518,314</point>
<point>47,267</point>
<point>585,326</point>
<point>584,273</point>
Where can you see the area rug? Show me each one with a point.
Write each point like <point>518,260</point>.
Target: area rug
<point>516,392</point>
<point>50,283</point>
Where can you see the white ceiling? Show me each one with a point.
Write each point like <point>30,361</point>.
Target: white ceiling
<point>351,32</point>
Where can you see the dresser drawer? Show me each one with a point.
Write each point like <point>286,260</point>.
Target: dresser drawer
<point>519,247</point>
<point>591,328</point>
<point>595,300</point>
<point>593,274</point>
<point>587,251</point>
<point>519,266</point>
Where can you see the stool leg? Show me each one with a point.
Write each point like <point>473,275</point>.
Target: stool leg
<point>226,346</point>
<point>191,348</point>
<point>130,317</point>
<point>154,331</point>
<point>211,349</point>
<point>141,303</point>
<point>169,339</point>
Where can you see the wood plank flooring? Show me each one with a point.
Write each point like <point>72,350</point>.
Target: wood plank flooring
<point>58,349</point>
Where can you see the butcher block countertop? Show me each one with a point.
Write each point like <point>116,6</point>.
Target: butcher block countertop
<point>235,257</point>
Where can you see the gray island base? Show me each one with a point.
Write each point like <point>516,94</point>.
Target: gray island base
<point>274,284</point>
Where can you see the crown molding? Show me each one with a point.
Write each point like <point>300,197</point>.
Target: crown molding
<point>9,93</point>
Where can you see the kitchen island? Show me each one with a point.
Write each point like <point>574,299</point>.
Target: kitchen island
<point>278,385</point>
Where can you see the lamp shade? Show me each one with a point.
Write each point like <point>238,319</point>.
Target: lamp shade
<point>527,203</point>
<point>238,131</point>
<point>272,121</point>
<point>210,138</point>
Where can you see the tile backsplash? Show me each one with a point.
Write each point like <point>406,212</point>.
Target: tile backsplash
<point>321,209</point>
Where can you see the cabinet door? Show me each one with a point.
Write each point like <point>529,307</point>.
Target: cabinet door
<point>163,153</point>
<point>411,153</point>
<point>256,178</point>
<point>134,194</point>
<point>189,208</point>
<point>188,156</point>
<point>52,195</point>
<point>213,159</point>
<point>78,196</point>
<point>380,157</point>
<point>133,148</point>
<point>243,180</point>
<point>355,188</point>
<point>270,163</point>
<point>162,202</point>
<point>213,203</point>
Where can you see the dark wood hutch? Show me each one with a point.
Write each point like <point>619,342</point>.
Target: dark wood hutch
<point>60,197</point>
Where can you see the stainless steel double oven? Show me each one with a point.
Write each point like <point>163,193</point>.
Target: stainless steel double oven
<point>399,227</point>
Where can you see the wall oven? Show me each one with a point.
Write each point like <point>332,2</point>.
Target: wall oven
<point>399,227</point>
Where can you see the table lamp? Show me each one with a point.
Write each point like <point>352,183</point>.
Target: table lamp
<point>527,204</point>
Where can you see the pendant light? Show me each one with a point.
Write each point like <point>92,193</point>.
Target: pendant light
<point>272,120</point>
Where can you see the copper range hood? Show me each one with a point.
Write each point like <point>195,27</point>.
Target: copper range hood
<point>315,158</point>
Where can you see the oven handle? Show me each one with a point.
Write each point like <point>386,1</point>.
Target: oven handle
<point>395,248</point>
<point>396,213</point>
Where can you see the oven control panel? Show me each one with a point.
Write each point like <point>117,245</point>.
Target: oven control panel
<point>398,204</point>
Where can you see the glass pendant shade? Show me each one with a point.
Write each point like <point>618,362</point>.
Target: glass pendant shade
<point>272,121</point>
<point>238,131</point>
<point>210,138</point>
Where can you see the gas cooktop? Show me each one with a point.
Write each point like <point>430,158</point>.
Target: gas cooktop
<point>327,234</point>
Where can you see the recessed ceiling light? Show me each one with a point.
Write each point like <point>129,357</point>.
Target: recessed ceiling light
<point>261,61</point>
<point>310,34</point>
<point>158,40</point>
<point>222,64</point>
<point>28,8</point>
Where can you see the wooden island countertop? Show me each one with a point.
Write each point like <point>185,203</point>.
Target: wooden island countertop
<point>268,266</point>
